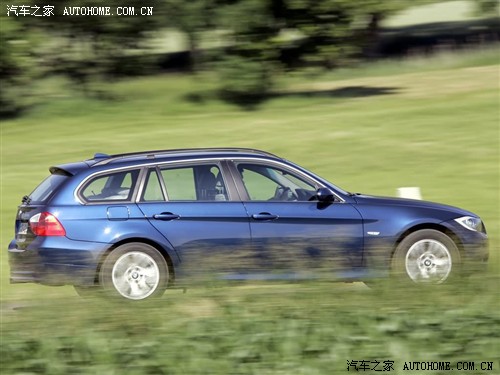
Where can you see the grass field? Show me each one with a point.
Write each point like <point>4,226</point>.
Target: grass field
<point>432,123</point>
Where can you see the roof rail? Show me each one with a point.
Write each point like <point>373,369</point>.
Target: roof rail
<point>100,155</point>
<point>104,158</point>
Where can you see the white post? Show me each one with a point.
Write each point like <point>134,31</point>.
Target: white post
<point>409,192</point>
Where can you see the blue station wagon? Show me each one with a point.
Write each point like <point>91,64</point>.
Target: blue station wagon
<point>131,225</point>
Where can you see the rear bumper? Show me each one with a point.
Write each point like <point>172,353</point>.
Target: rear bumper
<point>55,261</point>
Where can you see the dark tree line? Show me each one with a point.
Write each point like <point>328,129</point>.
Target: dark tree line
<point>90,50</point>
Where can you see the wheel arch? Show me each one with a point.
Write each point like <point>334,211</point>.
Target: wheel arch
<point>156,245</point>
<point>438,227</point>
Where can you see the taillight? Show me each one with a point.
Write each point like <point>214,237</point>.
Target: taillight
<point>46,224</point>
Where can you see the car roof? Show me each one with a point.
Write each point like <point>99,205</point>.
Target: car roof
<point>103,160</point>
<point>177,154</point>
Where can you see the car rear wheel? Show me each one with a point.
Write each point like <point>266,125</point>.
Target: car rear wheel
<point>426,257</point>
<point>134,271</point>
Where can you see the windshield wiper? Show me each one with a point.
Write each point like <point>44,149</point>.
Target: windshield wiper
<point>26,200</point>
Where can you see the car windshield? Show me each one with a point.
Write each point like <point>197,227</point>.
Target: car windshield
<point>48,186</point>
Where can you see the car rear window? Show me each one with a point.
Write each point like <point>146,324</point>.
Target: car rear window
<point>47,187</point>
<point>116,186</point>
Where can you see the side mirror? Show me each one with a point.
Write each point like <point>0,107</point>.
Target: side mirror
<point>325,195</point>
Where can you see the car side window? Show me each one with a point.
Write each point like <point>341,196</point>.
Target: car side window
<point>117,186</point>
<point>265,183</point>
<point>194,183</point>
<point>152,190</point>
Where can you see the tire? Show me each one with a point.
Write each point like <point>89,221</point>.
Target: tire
<point>134,271</point>
<point>426,257</point>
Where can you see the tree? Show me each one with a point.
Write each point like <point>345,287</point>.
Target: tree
<point>17,68</point>
<point>193,18</point>
<point>330,33</point>
<point>488,7</point>
<point>88,48</point>
<point>248,66</point>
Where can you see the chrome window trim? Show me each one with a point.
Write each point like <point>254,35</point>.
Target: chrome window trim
<point>143,167</point>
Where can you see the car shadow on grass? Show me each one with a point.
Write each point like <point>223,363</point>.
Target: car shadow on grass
<point>252,102</point>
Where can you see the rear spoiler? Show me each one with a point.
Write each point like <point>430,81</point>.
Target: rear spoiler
<point>69,169</point>
<point>57,170</point>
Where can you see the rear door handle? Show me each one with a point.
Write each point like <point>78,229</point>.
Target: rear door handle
<point>264,216</point>
<point>166,216</point>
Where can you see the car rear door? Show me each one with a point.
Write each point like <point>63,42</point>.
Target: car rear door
<point>191,205</point>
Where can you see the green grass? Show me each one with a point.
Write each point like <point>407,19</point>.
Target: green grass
<point>253,329</point>
<point>433,125</point>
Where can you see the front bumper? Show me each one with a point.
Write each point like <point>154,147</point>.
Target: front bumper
<point>55,261</point>
<point>474,259</point>
<point>473,246</point>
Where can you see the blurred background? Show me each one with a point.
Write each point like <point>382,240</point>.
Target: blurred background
<point>372,95</point>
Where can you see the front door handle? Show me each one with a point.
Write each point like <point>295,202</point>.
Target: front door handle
<point>166,216</point>
<point>264,216</point>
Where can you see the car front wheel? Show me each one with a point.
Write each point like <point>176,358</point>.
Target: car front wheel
<point>134,271</point>
<point>426,257</point>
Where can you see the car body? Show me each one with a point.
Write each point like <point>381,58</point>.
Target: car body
<point>133,224</point>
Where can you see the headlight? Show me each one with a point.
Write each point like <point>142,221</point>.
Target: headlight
<point>471,223</point>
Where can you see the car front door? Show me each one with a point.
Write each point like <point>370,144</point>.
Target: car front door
<point>191,205</point>
<point>292,234</point>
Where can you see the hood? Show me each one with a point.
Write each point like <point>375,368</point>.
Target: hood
<point>404,202</point>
